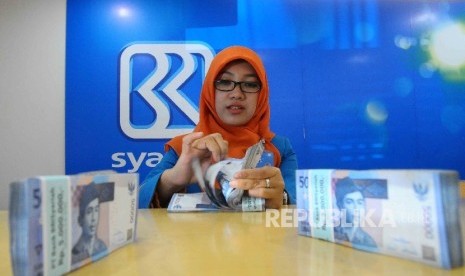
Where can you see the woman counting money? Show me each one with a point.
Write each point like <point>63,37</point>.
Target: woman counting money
<point>234,115</point>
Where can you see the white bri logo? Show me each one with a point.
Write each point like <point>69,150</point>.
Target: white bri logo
<point>160,128</point>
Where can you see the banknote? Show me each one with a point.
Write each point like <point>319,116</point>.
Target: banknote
<point>219,175</point>
<point>215,183</point>
<point>411,214</point>
<point>217,180</point>
<point>192,202</point>
<point>60,223</point>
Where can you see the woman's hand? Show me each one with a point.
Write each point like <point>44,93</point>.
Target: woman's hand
<point>266,182</point>
<point>208,149</point>
<point>212,145</point>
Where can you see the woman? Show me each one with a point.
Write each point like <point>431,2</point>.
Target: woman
<point>234,115</point>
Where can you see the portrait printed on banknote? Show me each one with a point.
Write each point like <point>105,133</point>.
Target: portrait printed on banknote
<point>90,220</point>
<point>358,211</point>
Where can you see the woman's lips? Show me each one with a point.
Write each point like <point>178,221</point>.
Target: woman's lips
<point>235,109</point>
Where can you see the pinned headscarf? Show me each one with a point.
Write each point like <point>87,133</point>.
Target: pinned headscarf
<point>239,137</point>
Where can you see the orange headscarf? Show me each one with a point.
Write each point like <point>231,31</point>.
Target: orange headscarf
<point>239,137</point>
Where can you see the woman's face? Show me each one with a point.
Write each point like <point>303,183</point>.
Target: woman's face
<point>90,219</point>
<point>235,107</point>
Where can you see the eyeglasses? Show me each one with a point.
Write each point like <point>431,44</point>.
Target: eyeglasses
<point>246,86</point>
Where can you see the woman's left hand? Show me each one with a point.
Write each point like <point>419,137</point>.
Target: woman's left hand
<point>265,182</point>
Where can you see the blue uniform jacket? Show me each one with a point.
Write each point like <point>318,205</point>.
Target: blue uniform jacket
<point>288,167</point>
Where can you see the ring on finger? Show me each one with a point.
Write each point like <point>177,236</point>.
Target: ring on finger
<point>267,183</point>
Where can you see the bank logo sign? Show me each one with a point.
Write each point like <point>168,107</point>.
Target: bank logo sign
<point>160,88</point>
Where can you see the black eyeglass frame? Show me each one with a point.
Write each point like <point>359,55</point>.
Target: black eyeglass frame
<point>240,83</point>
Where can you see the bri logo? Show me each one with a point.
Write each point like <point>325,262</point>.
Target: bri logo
<point>161,88</point>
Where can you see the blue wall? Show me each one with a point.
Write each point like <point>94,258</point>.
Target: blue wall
<point>354,84</point>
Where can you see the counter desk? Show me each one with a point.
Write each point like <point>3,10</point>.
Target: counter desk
<point>226,243</point>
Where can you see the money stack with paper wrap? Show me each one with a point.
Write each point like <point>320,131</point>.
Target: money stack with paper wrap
<point>411,214</point>
<point>60,223</point>
<point>218,195</point>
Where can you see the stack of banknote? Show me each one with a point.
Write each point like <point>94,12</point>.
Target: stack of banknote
<point>215,184</point>
<point>411,214</point>
<point>60,223</point>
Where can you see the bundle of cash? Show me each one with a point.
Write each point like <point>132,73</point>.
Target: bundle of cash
<point>60,223</point>
<point>215,184</point>
<point>411,214</point>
